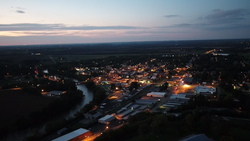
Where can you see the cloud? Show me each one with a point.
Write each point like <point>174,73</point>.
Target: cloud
<point>20,11</point>
<point>20,8</point>
<point>219,16</point>
<point>171,16</point>
<point>218,19</point>
<point>209,26</point>
<point>39,27</point>
<point>176,25</point>
<point>152,32</point>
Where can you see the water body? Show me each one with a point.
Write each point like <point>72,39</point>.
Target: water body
<point>88,98</point>
<point>20,135</point>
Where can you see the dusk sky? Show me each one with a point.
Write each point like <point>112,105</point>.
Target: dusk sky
<point>94,21</point>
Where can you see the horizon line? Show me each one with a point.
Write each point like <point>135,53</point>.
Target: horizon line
<point>125,42</point>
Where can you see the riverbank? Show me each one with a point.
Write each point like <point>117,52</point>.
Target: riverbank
<point>20,135</point>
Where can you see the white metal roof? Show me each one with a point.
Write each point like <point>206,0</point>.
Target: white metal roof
<point>71,135</point>
<point>135,113</point>
<point>204,89</point>
<point>56,92</point>
<point>106,117</point>
<point>157,93</point>
<point>167,105</point>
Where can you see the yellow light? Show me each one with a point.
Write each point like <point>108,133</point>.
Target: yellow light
<point>186,86</point>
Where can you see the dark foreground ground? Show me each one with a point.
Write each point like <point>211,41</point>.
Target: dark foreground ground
<point>15,104</point>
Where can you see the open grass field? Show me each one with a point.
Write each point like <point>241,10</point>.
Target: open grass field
<point>15,104</point>
<point>18,58</point>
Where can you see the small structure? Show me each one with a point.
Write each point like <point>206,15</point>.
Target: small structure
<point>106,119</point>
<point>93,114</point>
<point>134,107</point>
<point>135,113</point>
<point>62,131</point>
<point>204,90</point>
<point>146,102</point>
<point>174,103</point>
<point>188,80</point>
<point>120,116</point>
<point>128,105</point>
<point>156,94</point>
<point>167,105</point>
<point>178,96</point>
<point>76,135</point>
<point>151,98</point>
<point>56,93</point>
<point>142,108</point>
<point>121,110</point>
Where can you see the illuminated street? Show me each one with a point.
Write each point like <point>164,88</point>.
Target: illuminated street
<point>183,88</point>
<point>92,137</point>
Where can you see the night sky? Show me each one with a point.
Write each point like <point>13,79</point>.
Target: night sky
<point>92,21</point>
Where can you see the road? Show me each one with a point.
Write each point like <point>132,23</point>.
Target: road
<point>92,137</point>
<point>52,59</point>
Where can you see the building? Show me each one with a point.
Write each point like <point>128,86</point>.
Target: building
<point>204,90</point>
<point>156,94</point>
<point>62,131</point>
<point>188,80</point>
<point>142,108</point>
<point>178,96</point>
<point>93,114</point>
<point>151,98</point>
<point>221,54</point>
<point>56,93</point>
<point>120,116</point>
<point>106,119</point>
<point>146,102</point>
<point>76,135</point>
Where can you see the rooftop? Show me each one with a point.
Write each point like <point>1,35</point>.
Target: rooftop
<point>71,135</point>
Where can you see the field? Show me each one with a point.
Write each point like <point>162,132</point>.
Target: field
<point>15,104</point>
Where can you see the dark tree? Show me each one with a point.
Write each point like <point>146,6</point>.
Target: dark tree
<point>133,85</point>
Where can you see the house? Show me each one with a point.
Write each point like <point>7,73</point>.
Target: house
<point>56,93</point>
<point>106,119</point>
<point>156,94</point>
<point>93,114</point>
<point>204,90</point>
<point>76,135</point>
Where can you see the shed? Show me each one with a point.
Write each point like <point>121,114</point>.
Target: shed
<point>146,102</point>
<point>106,119</point>
<point>156,94</point>
<point>56,93</point>
<point>124,113</point>
<point>78,134</point>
